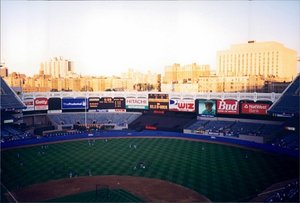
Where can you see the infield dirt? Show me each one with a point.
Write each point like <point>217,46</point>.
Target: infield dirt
<point>148,189</point>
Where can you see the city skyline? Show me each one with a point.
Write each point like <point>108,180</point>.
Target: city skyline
<point>107,38</point>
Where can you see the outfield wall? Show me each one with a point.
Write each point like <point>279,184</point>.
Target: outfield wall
<point>150,134</point>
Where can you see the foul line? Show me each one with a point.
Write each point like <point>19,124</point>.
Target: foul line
<point>9,193</point>
<point>267,192</point>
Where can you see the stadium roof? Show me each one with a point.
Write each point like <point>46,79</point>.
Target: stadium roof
<point>9,99</point>
<point>288,103</point>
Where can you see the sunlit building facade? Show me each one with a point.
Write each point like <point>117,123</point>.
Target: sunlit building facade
<point>141,81</point>
<point>266,59</point>
<point>194,87</point>
<point>231,84</point>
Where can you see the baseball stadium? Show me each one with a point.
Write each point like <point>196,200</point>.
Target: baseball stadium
<point>150,146</point>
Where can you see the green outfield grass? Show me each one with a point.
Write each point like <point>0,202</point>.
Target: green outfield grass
<point>116,195</point>
<point>222,173</point>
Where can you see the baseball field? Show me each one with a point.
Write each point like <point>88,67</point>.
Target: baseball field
<point>219,172</point>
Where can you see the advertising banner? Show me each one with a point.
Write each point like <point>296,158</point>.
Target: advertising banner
<point>182,105</point>
<point>74,103</point>
<point>255,108</point>
<point>158,101</point>
<point>206,107</point>
<point>54,111</point>
<point>106,103</point>
<point>41,104</point>
<point>119,103</point>
<point>94,102</point>
<point>150,127</point>
<point>117,110</point>
<point>227,107</point>
<point>54,104</point>
<point>136,103</point>
<point>29,102</point>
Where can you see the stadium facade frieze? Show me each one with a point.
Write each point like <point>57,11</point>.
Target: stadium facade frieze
<point>272,97</point>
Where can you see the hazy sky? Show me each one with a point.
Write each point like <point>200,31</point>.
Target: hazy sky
<point>108,37</point>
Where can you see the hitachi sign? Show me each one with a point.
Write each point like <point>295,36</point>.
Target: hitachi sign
<point>227,107</point>
<point>136,101</point>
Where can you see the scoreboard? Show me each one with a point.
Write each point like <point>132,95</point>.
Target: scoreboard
<point>119,103</point>
<point>94,102</point>
<point>158,101</point>
<point>54,103</point>
<point>112,103</point>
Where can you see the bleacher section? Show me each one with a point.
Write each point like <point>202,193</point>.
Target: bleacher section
<point>168,122</point>
<point>247,128</point>
<point>288,141</point>
<point>270,129</point>
<point>288,103</point>
<point>198,125</point>
<point>10,132</point>
<point>218,126</point>
<point>119,119</point>
<point>288,193</point>
<point>235,127</point>
<point>10,105</point>
<point>9,100</point>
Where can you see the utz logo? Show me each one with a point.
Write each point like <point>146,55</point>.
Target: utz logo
<point>227,107</point>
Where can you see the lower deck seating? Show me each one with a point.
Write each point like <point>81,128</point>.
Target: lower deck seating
<point>11,132</point>
<point>236,127</point>
<point>288,193</point>
<point>288,140</point>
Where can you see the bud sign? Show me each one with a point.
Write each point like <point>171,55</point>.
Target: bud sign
<point>227,107</point>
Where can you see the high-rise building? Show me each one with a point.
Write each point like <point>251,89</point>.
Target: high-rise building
<point>266,59</point>
<point>57,67</point>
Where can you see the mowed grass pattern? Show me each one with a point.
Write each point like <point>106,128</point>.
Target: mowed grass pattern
<point>222,173</point>
<point>116,195</point>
